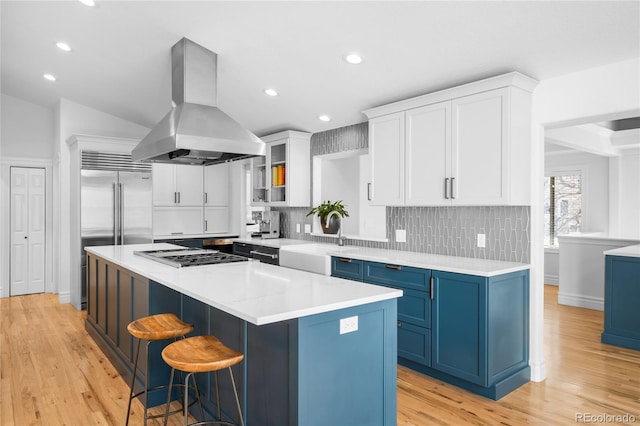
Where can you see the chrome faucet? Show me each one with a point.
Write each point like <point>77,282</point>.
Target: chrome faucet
<point>340,237</point>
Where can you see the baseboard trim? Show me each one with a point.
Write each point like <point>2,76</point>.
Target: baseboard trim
<point>538,371</point>
<point>551,279</point>
<point>580,301</point>
<point>64,297</point>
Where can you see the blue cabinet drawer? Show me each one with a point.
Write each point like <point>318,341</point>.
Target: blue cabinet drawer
<point>397,276</point>
<point>415,307</point>
<point>343,267</point>
<point>414,343</point>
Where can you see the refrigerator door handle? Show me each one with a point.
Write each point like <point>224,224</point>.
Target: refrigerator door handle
<point>116,225</point>
<point>121,205</point>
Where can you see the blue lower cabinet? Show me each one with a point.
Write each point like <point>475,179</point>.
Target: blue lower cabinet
<point>414,343</point>
<point>480,331</point>
<point>459,336</point>
<point>397,276</point>
<point>351,269</point>
<point>415,307</point>
<point>621,302</point>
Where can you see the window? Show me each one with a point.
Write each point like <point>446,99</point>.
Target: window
<point>562,206</point>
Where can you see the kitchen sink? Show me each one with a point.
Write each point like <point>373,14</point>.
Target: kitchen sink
<point>310,257</point>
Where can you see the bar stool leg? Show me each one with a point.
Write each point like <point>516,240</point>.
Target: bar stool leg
<point>146,386</point>
<point>133,381</point>
<point>166,413</point>
<point>195,387</point>
<point>217,396</point>
<point>235,392</point>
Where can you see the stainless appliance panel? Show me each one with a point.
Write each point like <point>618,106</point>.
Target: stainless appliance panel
<point>97,215</point>
<point>135,194</point>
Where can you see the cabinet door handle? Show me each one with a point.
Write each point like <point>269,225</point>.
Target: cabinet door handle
<point>431,289</point>
<point>446,188</point>
<point>177,233</point>
<point>205,226</point>
<point>175,198</point>
<point>178,197</point>
<point>206,198</point>
<point>345,260</point>
<point>452,186</point>
<point>399,324</point>
<point>369,191</point>
<point>394,267</point>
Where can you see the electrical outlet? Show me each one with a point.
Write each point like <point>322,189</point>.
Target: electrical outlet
<point>307,228</point>
<point>298,228</point>
<point>401,235</point>
<point>481,240</point>
<point>348,325</point>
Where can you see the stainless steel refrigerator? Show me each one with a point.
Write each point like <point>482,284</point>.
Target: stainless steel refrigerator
<point>115,203</point>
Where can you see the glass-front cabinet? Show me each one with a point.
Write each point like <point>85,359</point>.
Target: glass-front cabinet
<point>282,177</point>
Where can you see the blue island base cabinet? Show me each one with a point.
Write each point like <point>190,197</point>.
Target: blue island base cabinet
<point>334,368</point>
<point>466,330</point>
<point>621,302</point>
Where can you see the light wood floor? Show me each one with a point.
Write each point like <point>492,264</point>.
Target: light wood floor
<point>52,373</point>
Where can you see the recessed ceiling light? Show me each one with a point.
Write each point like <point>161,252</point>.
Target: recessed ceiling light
<point>324,118</point>
<point>63,46</point>
<point>90,3</point>
<point>271,92</point>
<point>49,77</point>
<point>353,58</point>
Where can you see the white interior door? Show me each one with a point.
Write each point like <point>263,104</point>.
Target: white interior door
<point>27,231</point>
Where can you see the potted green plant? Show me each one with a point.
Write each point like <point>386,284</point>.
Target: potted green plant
<point>324,211</point>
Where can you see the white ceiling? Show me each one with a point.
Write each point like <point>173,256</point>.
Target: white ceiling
<point>120,61</point>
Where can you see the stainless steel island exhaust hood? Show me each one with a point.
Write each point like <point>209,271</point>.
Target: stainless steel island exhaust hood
<point>195,131</point>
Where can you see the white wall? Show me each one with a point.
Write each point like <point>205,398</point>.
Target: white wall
<point>551,266</point>
<point>595,185</point>
<point>74,119</point>
<point>625,195</point>
<point>334,175</point>
<point>603,93</point>
<point>26,140</point>
<point>27,129</point>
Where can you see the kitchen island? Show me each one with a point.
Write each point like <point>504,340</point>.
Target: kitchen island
<point>318,350</point>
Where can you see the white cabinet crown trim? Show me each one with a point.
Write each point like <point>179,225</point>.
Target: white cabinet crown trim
<point>513,79</point>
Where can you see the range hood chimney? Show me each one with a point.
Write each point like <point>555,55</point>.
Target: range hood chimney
<point>195,131</point>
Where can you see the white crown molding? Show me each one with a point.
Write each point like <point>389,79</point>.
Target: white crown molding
<point>512,79</point>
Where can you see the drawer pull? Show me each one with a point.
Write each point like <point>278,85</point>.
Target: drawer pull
<point>394,267</point>
<point>259,253</point>
<point>345,260</point>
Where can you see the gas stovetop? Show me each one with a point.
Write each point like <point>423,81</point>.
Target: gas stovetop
<point>179,258</point>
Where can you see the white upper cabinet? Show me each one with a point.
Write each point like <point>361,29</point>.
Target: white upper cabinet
<point>177,185</point>
<point>467,145</point>
<point>282,178</point>
<point>216,185</point>
<point>387,151</point>
<point>428,144</point>
<point>216,199</point>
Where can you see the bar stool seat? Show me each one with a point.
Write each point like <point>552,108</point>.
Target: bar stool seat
<point>201,354</point>
<point>153,328</point>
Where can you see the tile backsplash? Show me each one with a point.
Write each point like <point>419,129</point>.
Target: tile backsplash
<point>449,231</point>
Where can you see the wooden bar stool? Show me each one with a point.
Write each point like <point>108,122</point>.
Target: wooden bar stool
<point>151,329</point>
<point>201,354</point>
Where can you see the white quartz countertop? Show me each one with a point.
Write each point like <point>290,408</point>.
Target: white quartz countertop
<point>271,242</point>
<point>460,265</point>
<point>253,291</point>
<point>631,251</point>
<point>577,236</point>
